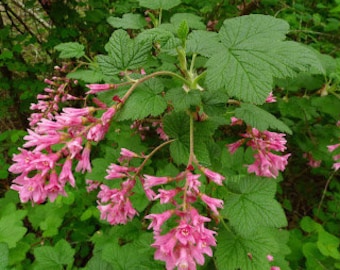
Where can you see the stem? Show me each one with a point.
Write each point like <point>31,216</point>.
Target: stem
<point>160,17</point>
<point>199,77</point>
<point>324,192</point>
<point>147,77</point>
<point>192,62</point>
<point>225,225</point>
<point>151,154</point>
<point>191,147</point>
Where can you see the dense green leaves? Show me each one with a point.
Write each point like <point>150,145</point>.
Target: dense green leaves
<point>182,100</point>
<point>251,54</point>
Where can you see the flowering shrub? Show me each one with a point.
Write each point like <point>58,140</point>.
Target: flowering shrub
<point>169,110</point>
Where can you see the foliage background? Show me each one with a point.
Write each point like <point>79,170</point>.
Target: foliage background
<point>309,105</point>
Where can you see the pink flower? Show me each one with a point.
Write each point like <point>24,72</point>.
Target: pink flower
<point>84,162</point>
<point>53,189</point>
<point>193,182</point>
<point>97,132</point>
<point>232,147</point>
<point>268,164</point>
<point>30,188</point>
<point>270,258</point>
<point>66,174</point>
<point>107,116</point>
<point>331,148</point>
<point>311,161</point>
<point>214,176</point>
<point>75,146</point>
<point>235,121</point>
<point>270,98</point>
<point>166,196</point>
<point>184,246</point>
<point>212,203</point>
<point>158,220</point>
<point>41,141</point>
<point>118,209</point>
<point>96,88</point>
<point>275,268</point>
<point>151,181</point>
<point>116,171</point>
<point>91,185</point>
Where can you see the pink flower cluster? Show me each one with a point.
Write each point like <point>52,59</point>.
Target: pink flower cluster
<point>57,139</point>
<point>332,148</point>
<point>185,245</point>
<point>266,163</point>
<point>114,204</point>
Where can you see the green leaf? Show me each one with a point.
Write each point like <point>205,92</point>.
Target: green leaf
<point>252,52</point>
<point>328,244</point>
<point>203,42</point>
<point>54,257</point>
<point>144,101</point>
<point>128,21</point>
<point>183,30</point>
<point>246,253</point>
<point>11,229</point>
<point>259,118</point>
<point>88,76</point>
<point>3,255</point>
<point>159,4</point>
<point>124,53</point>
<point>176,126</point>
<point>97,263</point>
<point>70,50</point>
<point>314,259</point>
<point>309,225</point>
<point>182,100</point>
<point>253,206</point>
<point>193,21</point>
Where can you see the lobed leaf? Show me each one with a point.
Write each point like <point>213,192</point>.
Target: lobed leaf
<point>252,54</point>
<point>247,253</point>
<point>259,118</point>
<point>70,50</point>
<point>144,101</point>
<point>254,206</point>
<point>128,21</point>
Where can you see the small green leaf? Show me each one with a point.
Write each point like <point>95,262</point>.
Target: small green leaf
<point>144,101</point>
<point>253,206</point>
<point>309,225</point>
<point>128,21</point>
<point>183,30</point>
<point>159,4</point>
<point>70,50</point>
<point>97,263</point>
<point>259,118</point>
<point>182,100</point>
